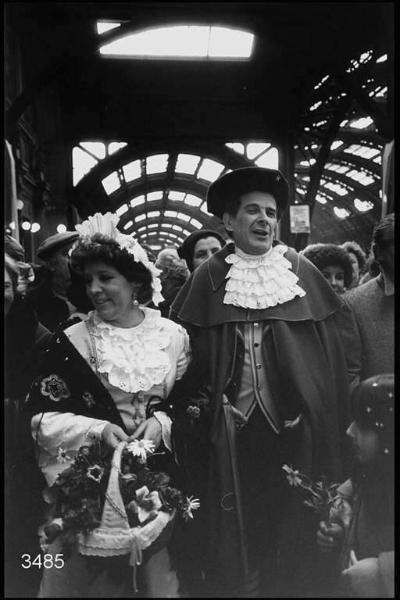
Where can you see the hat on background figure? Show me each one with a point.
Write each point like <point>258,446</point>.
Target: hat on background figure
<point>245,180</point>
<point>55,242</point>
<point>186,249</point>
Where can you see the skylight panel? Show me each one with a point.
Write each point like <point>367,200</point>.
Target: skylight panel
<point>335,187</point>
<point>156,163</point>
<point>363,205</point>
<point>121,210</point>
<point>111,183</point>
<point>336,168</point>
<point>165,225</point>
<point>378,160</point>
<point>307,163</point>
<point>153,213</point>
<point>203,208</point>
<point>132,171</point>
<point>269,160</point>
<point>103,26</point>
<point>341,213</point>
<point>115,146</point>
<point>193,200</point>
<point>316,105</point>
<point>187,163</point>
<point>174,195</point>
<point>321,199</point>
<point>210,170</point>
<point>183,41</point>
<point>229,43</point>
<point>82,163</point>
<point>177,228</point>
<point>140,218</point>
<point>96,148</point>
<point>128,224</point>
<point>152,226</point>
<point>301,191</point>
<point>171,213</point>
<point>360,177</point>
<point>382,58</point>
<point>196,223</point>
<point>154,195</point>
<point>237,147</point>
<point>361,123</point>
<point>253,149</point>
<point>183,217</point>
<point>137,201</point>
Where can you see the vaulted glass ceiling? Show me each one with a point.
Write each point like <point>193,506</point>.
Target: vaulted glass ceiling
<point>350,181</point>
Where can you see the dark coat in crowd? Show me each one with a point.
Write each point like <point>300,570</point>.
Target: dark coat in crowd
<point>305,363</point>
<point>26,340</point>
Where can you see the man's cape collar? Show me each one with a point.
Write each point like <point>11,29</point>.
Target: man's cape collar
<point>200,300</point>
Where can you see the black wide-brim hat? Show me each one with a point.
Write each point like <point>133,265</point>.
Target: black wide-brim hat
<point>55,242</point>
<point>244,180</point>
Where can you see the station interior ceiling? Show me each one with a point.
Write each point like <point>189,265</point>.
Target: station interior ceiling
<point>143,136</point>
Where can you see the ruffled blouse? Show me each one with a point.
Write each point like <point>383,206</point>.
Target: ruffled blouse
<point>133,359</point>
<point>260,281</point>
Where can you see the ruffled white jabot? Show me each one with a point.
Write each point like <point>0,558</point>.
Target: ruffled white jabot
<point>133,359</point>
<point>260,281</point>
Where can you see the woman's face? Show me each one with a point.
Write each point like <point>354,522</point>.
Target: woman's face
<point>365,443</point>
<point>8,292</point>
<point>205,248</point>
<point>334,274</point>
<point>110,292</point>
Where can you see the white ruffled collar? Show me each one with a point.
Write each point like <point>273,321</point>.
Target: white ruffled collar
<point>260,281</point>
<point>134,358</point>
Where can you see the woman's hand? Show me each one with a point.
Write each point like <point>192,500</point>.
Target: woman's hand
<point>329,536</point>
<point>112,435</point>
<point>362,578</point>
<point>149,430</point>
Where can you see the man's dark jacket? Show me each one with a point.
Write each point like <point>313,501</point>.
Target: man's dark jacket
<point>306,370</point>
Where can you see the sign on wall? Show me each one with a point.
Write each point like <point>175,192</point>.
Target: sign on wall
<point>300,218</point>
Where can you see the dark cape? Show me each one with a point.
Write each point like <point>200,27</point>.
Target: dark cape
<point>306,367</point>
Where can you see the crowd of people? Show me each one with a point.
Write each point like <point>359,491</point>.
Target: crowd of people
<point>245,364</point>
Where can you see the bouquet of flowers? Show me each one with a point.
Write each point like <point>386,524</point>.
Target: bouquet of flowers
<point>320,496</point>
<point>83,488</point>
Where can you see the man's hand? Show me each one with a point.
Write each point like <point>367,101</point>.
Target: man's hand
<point>112,435</point>
<point>149,430</point>
<point>329,536</point>
<point>363,578</point>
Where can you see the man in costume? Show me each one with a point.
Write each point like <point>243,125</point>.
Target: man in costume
<point>267,385</point>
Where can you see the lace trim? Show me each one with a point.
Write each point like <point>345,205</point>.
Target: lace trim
<point>260,281</point>
<point>134,359</point>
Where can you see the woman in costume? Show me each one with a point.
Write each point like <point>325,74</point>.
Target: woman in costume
<point>102,377</point>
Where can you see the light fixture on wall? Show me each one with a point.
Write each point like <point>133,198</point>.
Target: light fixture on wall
<point>35,227</point>
<point>26,225</point>
<point>61,228</point>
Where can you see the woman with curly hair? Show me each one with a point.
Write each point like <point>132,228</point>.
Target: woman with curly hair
<point>102,379</point>
<point>358,261</point>
<point>333,262</point>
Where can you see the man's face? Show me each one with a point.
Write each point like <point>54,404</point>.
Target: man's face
<point>253,227</point>
<point>59,264</point>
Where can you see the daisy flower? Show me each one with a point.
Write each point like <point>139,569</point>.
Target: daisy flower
<point>191,505</point>
<point>292,476</point>
<point>62,456</point>
<point>141,448</point>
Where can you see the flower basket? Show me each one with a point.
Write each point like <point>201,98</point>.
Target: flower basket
<point>115,536</point>
<point>115,505</point>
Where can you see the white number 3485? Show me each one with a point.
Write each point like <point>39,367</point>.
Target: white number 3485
<point>48,561</point>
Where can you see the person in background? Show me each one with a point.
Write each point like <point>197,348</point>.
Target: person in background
<point>267,385</point>
<point>25,342</point>
<point>26,275</point>
<point>167,257</point>
<point>173,275</point>
<point>334,264</point>
<point>100,379</point>
<point>50,298</point>
<point>372,305</point>
<point>358,261</point>
<point>360,530</point>
<point>199,246</point>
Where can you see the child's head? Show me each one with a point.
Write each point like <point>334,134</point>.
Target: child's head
<point>373,426</point>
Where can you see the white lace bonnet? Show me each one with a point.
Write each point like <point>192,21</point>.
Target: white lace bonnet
<point>107,225</point>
